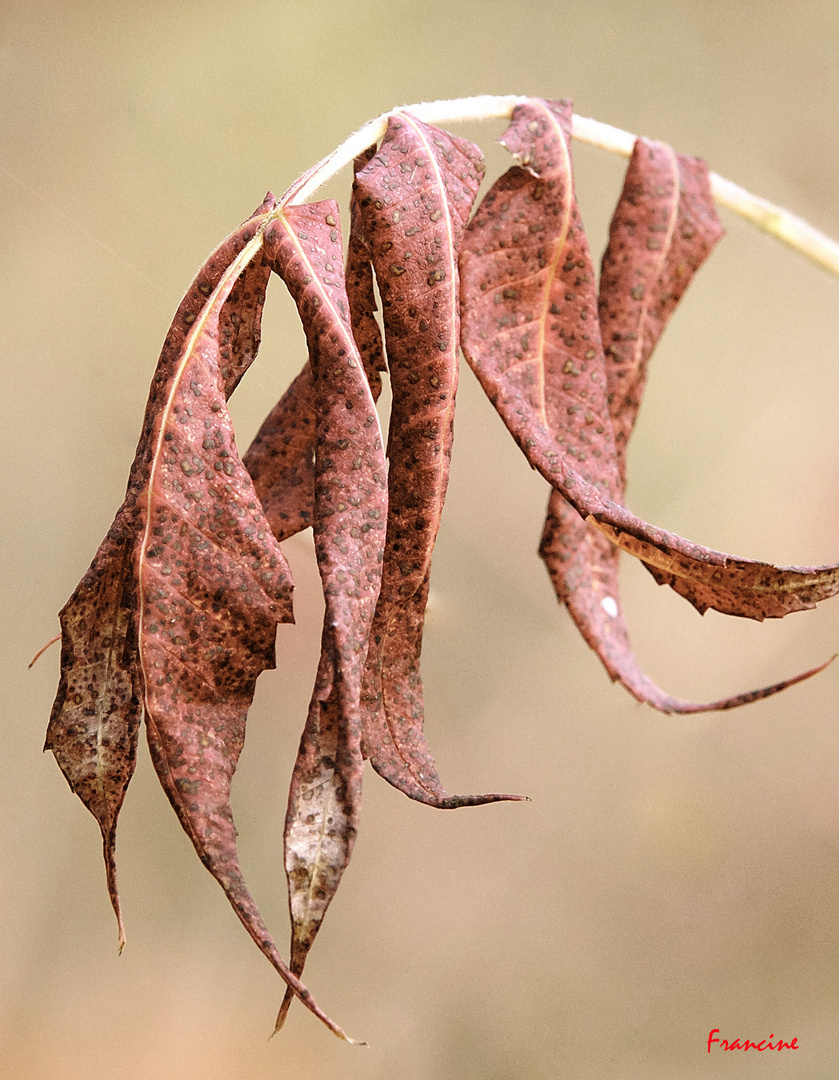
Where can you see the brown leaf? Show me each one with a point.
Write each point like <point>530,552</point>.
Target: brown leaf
<point>415,196</point>
<point>281,460</point>
<point>527,314</point>
<point>191,586</point>
<point>663,229</point>
<point>281,457</point>
<point>360,292</point>
<point>350,511</point>
<point>96,714</point>
<point>177,615</point>
<point>583,566</point>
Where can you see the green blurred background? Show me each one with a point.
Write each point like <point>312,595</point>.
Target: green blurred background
<point>670,875</point>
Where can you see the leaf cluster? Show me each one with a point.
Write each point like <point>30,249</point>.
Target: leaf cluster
<point>176,616</point>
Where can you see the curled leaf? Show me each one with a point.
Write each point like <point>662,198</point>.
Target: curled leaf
<point>177,615</point>
<point>583,566</point>
<point>95,718</point>
<point>281,457</point>
<point>525,318</point>
<point>281,461</point>
<point>663,228</point>
<point>415,195</point>
<point>350,511</point>
<point>96,714</point>
<point>360,292</point>
<point>191,584</point>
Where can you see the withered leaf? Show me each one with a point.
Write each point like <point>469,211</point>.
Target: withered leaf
<point>96,714</point>
<point>350,512</point>
<point>190,584</point>
<point>583,566</point>
<point>281,457</point>
<point>664,227</point>
<point>176,617</point>
<point>281,461</point>
<point>415,196</point>
<point>95,718</point>
<point>360,292</point>
<point>518,291</point>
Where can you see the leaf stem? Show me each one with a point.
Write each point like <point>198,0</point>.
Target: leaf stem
<point>766,216</point>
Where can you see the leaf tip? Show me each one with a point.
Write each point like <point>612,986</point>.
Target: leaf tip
<point>283,1013</point>
<point>42,650</point>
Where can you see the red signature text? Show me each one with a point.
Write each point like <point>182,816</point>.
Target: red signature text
<point>747,1044</point>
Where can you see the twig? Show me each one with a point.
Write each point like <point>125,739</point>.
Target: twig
<point>766,216</point>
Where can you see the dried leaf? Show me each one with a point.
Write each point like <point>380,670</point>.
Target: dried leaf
<point>414,196</point>
<point>191,586</point>
<point>281,457</point>
<point>663,229</point>
<point>584,570</point>
<point>96,714</point>
<point>350,512</point>
<point>176,616</point>
<point>360,292</point>
<point>527,314</point>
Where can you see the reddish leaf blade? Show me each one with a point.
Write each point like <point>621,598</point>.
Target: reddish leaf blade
<point>281,462</point>
<point>495,339</point>
<point>415,195</point>
<point>350,513</point>
<point>96,714</point>
<point>663,228</point>
<point>393,731</point>
<point>207,582</point>
<point>712,579</point>
<point>530,305</point>
<point>240,318</point>
<point>360,292</point>
<point>583,566</point>
<point>94,722</point>
<point>213,585</point>
<point>281,457</point>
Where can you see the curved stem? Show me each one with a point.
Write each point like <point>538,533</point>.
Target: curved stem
<point>766,216</point>
<point>785,226</point>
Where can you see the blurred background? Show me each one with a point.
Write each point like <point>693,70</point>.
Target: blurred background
<point>670,876</point>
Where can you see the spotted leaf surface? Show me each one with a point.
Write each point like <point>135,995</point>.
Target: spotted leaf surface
<point>213,587</point>
<point>517,344</point>
<point>281,457</point>
<point>177,615</point>
<point>414,197</point>
<point>95,718</point>
<point>350,514</point>
<point>664,227</point>
<point>191,584</point>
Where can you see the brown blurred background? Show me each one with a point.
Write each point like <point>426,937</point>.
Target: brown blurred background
<point>670,875</point>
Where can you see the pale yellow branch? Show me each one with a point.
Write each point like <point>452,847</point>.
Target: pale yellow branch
<point>766,216</point>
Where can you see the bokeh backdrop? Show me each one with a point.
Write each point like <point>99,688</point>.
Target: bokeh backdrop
<point>670,876</point>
